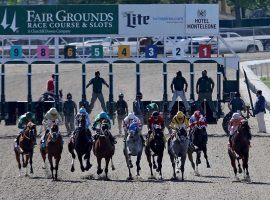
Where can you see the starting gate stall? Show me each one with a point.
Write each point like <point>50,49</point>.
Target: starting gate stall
<point>201,19</point>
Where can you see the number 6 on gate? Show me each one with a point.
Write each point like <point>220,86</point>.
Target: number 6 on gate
<point>43,52</point>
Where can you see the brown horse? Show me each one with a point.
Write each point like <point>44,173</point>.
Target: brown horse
<point>26,144</point>
<point>53,148</point>
<point>103,148</point>
<point>240,149</point>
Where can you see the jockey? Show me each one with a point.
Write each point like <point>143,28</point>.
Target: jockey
<point>194,119</point>
<point>234,123</point>
<point>22,123</point>
<point>131,119</point>
<point>50,118</point>
<point>155,119</point>
<point>83,112</point>
<point>179,120</point>
<point>101,118</point>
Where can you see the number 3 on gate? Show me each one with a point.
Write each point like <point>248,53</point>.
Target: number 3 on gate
<point>43,52</point>
<point>16,52</point>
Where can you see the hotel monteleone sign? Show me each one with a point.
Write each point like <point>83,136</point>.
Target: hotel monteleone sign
<point>125,19</point>
<point>58,20</point>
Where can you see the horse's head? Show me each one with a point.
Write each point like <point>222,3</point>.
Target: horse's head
<point>54,132</point>
<point>133,130</point>
<point>157,131</point>
<point>244,129</point>
<point>82,121</point>
<point>181,134</point>
<point>104,128</point>
<point>31,131</point>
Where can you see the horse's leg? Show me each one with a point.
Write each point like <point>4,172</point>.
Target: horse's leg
<point>177,164</point>
<point>232,157</point>
<point>43,155</point>
<point>173,165</point>
<point>57,160</point>
<point>31,162</point>
<point>190,157</point>
<point>26,163</point>
<point>112,165</point>
<point>138,163</point>
<point>159,161</point>
<point>245,167</point>
<point>198,161</point>
<point>87,158</point>
<point>239,165</point>
<point>206,157</point>
<point>154,162</point>
<point>106,167</point>
<point>51,164</point>
<point>127,161</point>
<point>183,160</point>
<point>81,162</point>
<point>71,151</point>
<point>150,163</point>
<point>19,162</point>
<point>99,170</point>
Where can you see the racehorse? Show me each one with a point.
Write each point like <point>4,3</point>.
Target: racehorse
<point>53,148</point>
<point>133,147</point>
<point>82,145</point>
<point>103,148</point>
<point>155,147</point>
<point>240,146</point>
<point>178,147</point>
<point>199,140</point>
<point>26,144</point>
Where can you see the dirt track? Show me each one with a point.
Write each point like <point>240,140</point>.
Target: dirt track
<point>214,183</point>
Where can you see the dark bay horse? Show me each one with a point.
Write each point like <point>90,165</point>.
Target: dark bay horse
<point>54,148</point>
<point>178,147</point>
<point>155,147</point>
<point>26,144</point>
<point>240,146</point>
<point>103,148</point>
<point>133,147</point>
<point>82,145</point>
<point>199,140</point>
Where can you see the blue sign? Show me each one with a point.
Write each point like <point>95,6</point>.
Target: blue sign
<point>151,51</point>
<point>16,52</point>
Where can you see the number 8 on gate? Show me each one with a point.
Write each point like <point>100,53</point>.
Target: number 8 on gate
<point>43,52</point>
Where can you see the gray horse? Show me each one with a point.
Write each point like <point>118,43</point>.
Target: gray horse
<point>133,147</point>
<point>178,147</point>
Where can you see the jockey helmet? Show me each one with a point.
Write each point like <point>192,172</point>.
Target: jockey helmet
<point>197,114</point>
<point>69,96</point>
<point>121,95</point>
<point>103,115</point>
<point>29,115</point>
<point>180,115</point>
<point>155,114</point>
<point>236,116</point>
<point>53,111</point>
<point>82,110</point>
<point>131,116</point>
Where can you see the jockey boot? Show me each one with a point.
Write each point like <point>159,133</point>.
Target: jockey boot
<point>17,141</point>
<point>230,143</point>
<point>35,140</point>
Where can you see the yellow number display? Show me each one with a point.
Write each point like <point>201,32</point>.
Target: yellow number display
<point>123,51</point>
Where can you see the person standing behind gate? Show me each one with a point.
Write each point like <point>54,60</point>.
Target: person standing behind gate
<point>122,110</point>
<point>177,87</point>
<point>138,108</point>
<point>237,104</point>
<point>97,91</point>
<point>69,109</point>
<point>204,88</point>
<point>260,111</point>
<point>50,85</point>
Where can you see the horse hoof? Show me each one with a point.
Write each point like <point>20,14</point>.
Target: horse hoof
<point>199,161</point>
<point>154,166</point>
<point>240,171</point>
<point>99,171</point>
<point>208,166</point>
<point>72,169</point>
<point>248,179</point>
<point>130,165</point>
<point>130,178</point>
<point>82,168</point>
<point>157,170</point>
<point>174,178</point>
<point>113,168</point>
<point>177,171</point>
